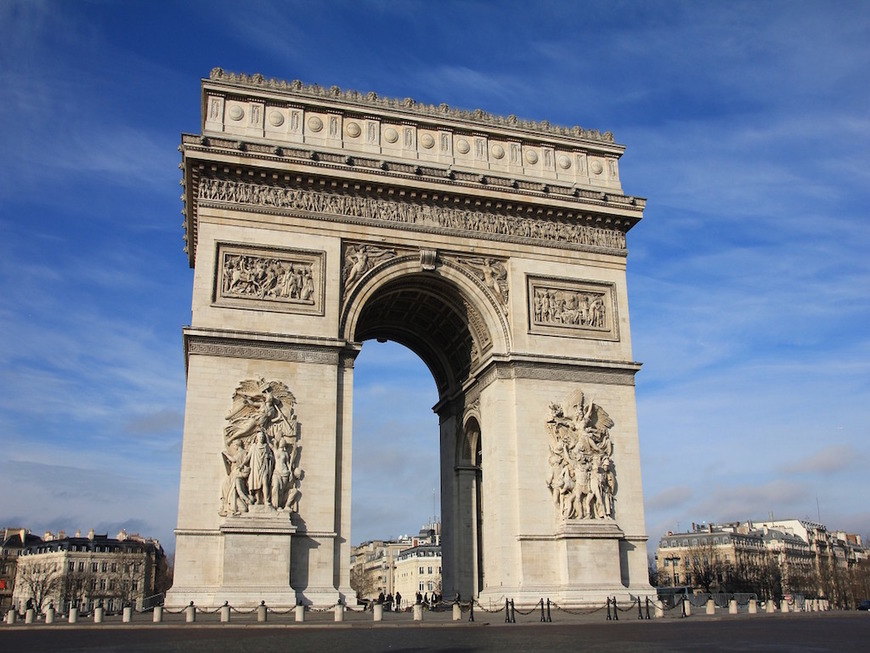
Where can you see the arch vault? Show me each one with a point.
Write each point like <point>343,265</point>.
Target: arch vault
<point>494,249</point>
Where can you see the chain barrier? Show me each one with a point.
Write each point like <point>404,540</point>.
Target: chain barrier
<point>330,608</point>
<point>477,603</point>
<point>530,610</point>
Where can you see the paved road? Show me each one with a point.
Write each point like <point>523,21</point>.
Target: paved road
<point>806,633</point>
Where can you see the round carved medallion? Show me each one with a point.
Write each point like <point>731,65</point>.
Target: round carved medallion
<point>531,156</point>
<point>596,167</point>
<point>564,162</point>
<point>353,130</point>
<point>462,146</point>
<point>497,152</point>
<point>236,112</point>
<point>391,135</point>
<point>315,124</point>
<point>276,118</point>
<point>427,141</point>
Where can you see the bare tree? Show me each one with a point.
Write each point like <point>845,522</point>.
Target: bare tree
<point>361,582</point>
<point>40,580</point>
<point>706,570</point>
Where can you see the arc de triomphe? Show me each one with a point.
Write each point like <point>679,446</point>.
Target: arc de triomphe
<point>492,247</point>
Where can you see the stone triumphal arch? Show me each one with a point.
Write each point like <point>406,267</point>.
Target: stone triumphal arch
<point>494,248</point>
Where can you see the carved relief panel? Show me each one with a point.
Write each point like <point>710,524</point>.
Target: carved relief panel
<point>288,280</point>
<point>583,309</point>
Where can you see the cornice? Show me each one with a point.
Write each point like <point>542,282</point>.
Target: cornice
<point>408,106</point>
<point>361,175</point>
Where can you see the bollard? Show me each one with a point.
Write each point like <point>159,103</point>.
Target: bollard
<point>815,605</point>
<point>127,614</point>
<point>225,612</point>
<point>615,610</point>
<point>609,617</point>
<point>339,611</point>
<point>73,615</point>
<point>49,614</point>
<point>514,613</point>
<point>647,608</point>
<point>99,613</point>
<point>732,606</point>
<point>549,618</point>
<point>300,613</point>
<point>507,611</point>
<point>377,612</point>
<point>190,613</point>
<point>156,617</point>
<point>457,611</point>
<point>687,608</point>
<point>711,606</point>
<point>770,606</point>
<point>639,611</point>
<point>659,608</point>
<point>471,610</point>
<point>30,616</point>
<point>753,606</point>
<point>11,616</point>
<point>783,606</point>
<point>418,612</point>
<point>262,612</point>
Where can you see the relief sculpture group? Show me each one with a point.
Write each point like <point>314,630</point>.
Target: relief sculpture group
<point>581,477</point>
<point>261,454</point>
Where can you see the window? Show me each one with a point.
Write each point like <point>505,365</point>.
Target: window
<point>114,566</point>
<point>102,583</point>
<point>81,566</point>
<point>421,570</point>
<point>430,570</point>
<point>421,586</point>
<point>94,567</point>
<point>71,566</point>
<point>135,585</point>
<point>105,566</point>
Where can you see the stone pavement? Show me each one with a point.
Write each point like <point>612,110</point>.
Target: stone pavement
<point>808,632</point>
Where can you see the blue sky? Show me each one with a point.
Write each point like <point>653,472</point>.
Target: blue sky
<point>747,126</point>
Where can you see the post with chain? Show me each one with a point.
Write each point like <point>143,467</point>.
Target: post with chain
<point>471,611</point>
<point>513,613</point>
<point>639,611</point>
<point>609,618</point>
<point>647,607</point>
<point>615,610</point>
<point>543,616</point>
<point>507,611</point>
<point>549,618</point>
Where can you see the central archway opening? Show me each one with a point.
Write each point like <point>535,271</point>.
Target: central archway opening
<point>396,455</point>
<point>409,323</point>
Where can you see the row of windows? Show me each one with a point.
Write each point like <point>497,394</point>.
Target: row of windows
<point>105,566</point>
<point>429,570</point>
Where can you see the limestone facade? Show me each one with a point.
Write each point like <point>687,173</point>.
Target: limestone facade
<point>495,249</point>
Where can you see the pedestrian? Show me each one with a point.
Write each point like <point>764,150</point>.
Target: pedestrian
<point>398,601</point>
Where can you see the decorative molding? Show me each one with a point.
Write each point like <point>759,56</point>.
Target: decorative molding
<point>569,307</point>
<point>408,105</point>
<point>269,278</point>
<point>261,350</point>
<point>570,371</point>
<point>375,210</point>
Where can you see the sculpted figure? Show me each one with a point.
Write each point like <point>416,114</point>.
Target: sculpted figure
<point>581,475</point>
<point>234,496</point>
<point>494,276</point>
<point>359,259</point>
<point>262,463</point>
